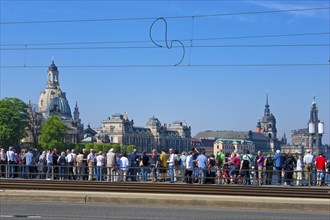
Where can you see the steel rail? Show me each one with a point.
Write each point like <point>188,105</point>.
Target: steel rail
<point>166,188</point>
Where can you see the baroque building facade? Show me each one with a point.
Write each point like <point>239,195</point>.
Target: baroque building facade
<point>233,145</point>
<point>153,135</point>
<point>243,140</point>
<point>264,138</point>
<point>53,101</point>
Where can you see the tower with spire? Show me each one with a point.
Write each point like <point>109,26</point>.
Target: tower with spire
<point>268,122</point>
<point>315,128</point>
<point>267,126</point>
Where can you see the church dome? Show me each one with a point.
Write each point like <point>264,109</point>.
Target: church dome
<point>60,106</point>
<point>154,122</point>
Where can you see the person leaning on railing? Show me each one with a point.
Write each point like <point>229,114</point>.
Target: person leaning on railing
<point>278,163</point>
<point>268,163</point>
<point>244,170</point>
<point>3,160</point>
<point>62,165</point>
<point>154,164</point>
<point>91,164</point>
<point>212,168</point>
<point>234,165</point>
<point>11,162</point>
<point>189,167</point>
<point>320,164</point>
<point>219,162</point>
<point>49,159</point>
<point>42,165</point>
<point>288,169</point>
<point>260,166</point>
<point>308,161</point>
<point>111,165</point>
<point>163,165</point>
<point>299,171</point>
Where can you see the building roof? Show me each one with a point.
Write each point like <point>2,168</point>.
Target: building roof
<point>233,141</point>
<point>153,122</point>
<point>90,131</point>
<point>141,129</point>
<point>60,106</point>
<point>300,131</point>
<point>52,67</point>
<point>243,135</point>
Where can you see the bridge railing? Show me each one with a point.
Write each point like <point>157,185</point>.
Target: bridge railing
<point>164,174</point>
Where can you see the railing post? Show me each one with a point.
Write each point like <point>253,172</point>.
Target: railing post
<point>52,172</point>
<point>6,171</point>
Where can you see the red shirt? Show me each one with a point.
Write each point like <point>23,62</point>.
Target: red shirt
<point>320,163</point>
<point>236,161</point>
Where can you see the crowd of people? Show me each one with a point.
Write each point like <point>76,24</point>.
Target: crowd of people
<point>188,167</point>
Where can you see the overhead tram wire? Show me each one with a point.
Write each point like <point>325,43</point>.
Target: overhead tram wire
<point>155,47</point>
<point>153,18</point>
<point>181,66</point>
<point>188,40</point>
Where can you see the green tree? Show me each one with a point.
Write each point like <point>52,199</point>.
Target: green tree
<point>35,119</point>
<point>130,148</point>
<point>53,133</point>
<point>13,121</point>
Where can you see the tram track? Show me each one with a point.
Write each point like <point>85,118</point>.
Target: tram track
<point>166,188</point>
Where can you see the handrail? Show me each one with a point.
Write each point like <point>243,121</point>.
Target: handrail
<point>214,175</point>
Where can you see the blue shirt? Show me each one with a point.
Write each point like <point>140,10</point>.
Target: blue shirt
<point>183,160</point>
<point>201,160</point>
<point>278,160</point>
<point>28,158</point>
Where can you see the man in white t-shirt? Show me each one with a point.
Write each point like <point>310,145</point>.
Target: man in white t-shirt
<point>91,164</point>
<point>308,161</point>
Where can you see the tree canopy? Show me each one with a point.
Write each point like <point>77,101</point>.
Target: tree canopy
<point>13,121</point>
<point>53,133</point>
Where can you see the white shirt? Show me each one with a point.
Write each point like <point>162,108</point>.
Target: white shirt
<point>91,158</point>
<point>11,155</point>
<point>299,165</point>
<point>70,158</point>
<point>308,159</point>
<point>187,162</point>
<point>100,160</point>
<point>124,163</point>
<point>171,159</point>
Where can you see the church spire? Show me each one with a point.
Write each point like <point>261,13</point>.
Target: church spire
<point>314,102</point>
<point>76,114</point>
<point>267,110</point>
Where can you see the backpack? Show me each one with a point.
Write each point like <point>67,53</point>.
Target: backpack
<point>212,162</point>
<point>218,159</point>
<point>177,161</point>
<point>269,162</point>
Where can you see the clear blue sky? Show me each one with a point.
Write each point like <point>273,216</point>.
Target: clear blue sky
<point>207,97</point>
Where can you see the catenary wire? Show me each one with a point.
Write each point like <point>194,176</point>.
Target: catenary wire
<point>188,40</point>
<point>153,18</point>
<point>182,65</point>
<point>172,46</point>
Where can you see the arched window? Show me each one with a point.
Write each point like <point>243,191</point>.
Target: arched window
<point>270,135</point>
